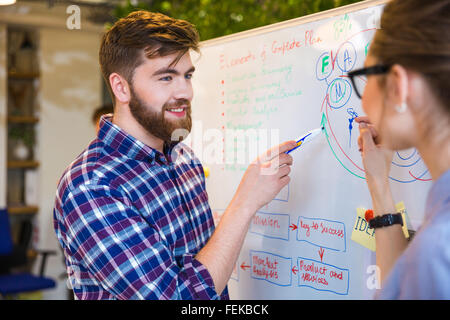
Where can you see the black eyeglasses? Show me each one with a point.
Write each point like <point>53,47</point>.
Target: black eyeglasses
<point>359,80</point>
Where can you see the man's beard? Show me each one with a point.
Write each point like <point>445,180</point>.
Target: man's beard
<point>156,124</point>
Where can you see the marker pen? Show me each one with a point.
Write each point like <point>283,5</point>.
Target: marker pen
<point>307,137</point>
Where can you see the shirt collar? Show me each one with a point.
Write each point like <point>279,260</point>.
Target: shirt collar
<point>113,136</point>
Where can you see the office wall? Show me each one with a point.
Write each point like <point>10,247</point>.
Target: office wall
<point>70,91</point>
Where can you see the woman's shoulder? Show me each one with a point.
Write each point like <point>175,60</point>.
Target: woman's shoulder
<point>429,251</point>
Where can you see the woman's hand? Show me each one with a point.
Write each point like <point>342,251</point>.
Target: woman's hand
<point>377,164</point>
<point>376,159</point>
<point>390,241</point>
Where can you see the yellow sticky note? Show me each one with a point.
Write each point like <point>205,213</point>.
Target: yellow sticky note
<point>361,233</point>
<point>364,235</point>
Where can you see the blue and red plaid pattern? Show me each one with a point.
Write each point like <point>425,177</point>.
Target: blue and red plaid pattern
<point>130,221</point>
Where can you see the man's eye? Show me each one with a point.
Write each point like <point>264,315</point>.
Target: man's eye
<point>168,78</point>
<point>189,76</point>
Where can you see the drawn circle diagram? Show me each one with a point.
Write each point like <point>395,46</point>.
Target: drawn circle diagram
<point>323,66</point>
<point>339,92</point>
<point>340,107</point>
<point>347,59</point>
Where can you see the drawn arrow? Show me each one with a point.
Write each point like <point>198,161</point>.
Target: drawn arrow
<point>293,227</point>
<point>294,270</point>
<point>243,266</point>
<point>323,123</point>
<point>324,120</point>
<point>321,252</point>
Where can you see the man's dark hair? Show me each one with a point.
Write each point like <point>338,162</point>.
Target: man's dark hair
<point>154,33</point>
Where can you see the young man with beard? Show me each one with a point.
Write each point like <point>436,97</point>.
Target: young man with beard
<point>131,212</point>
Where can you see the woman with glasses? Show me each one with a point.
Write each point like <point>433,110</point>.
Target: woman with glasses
<point>405,91</point>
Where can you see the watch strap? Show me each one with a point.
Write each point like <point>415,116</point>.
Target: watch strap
<point>386,220</point>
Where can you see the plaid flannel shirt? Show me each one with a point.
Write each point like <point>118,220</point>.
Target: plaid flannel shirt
<point>130,221</point>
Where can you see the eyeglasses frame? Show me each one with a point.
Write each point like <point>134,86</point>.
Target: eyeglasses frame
<point>376,69</point>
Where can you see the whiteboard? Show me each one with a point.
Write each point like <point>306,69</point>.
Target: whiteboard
<point>256,89</point>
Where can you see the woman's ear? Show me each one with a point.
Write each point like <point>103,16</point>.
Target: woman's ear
<point>120,87</point>
<point>397,87</point>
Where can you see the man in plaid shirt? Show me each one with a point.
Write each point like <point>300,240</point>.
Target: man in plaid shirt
<point>131,212</point>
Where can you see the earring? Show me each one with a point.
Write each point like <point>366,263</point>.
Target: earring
<point>401,108</point>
